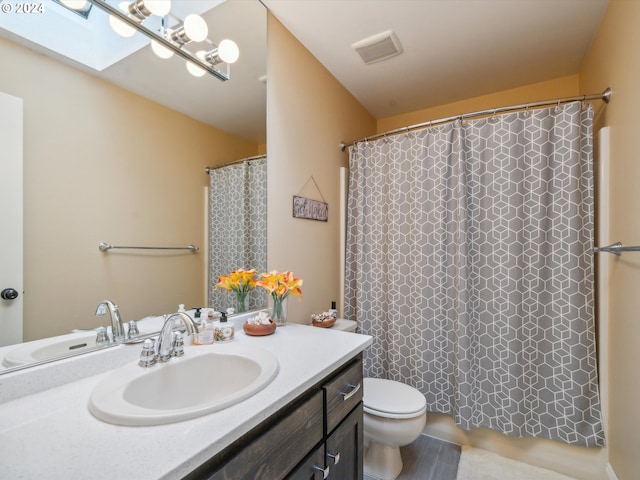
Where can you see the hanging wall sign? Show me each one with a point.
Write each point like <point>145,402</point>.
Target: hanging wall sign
<point>310,209</point>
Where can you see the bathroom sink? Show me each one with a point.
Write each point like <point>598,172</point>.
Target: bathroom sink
<point>206,379</point>
<point>54,347</point>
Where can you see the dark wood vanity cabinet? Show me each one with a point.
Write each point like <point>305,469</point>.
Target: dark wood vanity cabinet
<point>318,435</point>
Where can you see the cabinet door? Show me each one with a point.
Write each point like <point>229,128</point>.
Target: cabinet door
<point>344,448</point>
<point>311,467</point>
<point>278,450</point>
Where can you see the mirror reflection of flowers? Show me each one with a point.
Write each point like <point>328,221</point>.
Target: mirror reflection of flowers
<point>280,285</point>
<point>241,282</point>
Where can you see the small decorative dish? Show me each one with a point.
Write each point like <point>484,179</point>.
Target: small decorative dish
<point>323,320</point>
<point>259,330</point>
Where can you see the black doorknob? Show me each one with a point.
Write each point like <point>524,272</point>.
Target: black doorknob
<point>9,294</point>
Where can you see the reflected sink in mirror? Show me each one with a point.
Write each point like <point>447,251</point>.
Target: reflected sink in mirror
<point>60,346</point>
<point>206,379</point>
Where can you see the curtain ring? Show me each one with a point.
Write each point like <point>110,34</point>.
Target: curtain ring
<point>558,108</point>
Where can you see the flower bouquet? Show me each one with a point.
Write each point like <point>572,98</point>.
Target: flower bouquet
<point>279,285</point>
<point>240,281</point>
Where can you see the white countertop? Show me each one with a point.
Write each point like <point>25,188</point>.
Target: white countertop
<point>52,435</point>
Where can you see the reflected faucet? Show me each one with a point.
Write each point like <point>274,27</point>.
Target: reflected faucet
<point>164,344</point>
<point>117,329</point>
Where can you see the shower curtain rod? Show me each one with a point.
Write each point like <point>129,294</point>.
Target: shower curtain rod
<point>256,157</point>
<point>604,96</point>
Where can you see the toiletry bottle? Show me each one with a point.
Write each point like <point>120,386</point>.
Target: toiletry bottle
<point>205,335</point>
<point>224,331</point>
<point>333,310</point>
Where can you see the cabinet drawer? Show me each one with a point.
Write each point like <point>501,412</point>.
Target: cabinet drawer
<point>278,450</point>
<point>343,393</point>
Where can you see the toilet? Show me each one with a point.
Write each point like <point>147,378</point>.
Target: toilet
<point>394,415</point>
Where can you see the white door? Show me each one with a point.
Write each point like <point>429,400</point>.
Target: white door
<point>11,279</point>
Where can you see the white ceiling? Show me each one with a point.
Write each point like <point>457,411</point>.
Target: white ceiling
<point>453,49</point>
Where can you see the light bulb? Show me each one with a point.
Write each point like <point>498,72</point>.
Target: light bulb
<point>195,27</point>
<point>194,69</point>
<point>160,50</point>
<point>228,51</point>
<point>74,4</point>
<point>119,26</point>
<point>158,7</point>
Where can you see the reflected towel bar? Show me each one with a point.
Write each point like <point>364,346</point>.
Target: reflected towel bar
<point>105,246</point>
<point>616,249</point>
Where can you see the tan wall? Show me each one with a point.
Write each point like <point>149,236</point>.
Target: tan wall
<point>560,87</point>
<point>308,114</point>
<point>614,60</point>
<point>104,165</point>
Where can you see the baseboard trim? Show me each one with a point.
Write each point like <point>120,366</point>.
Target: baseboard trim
<point>611,475</point>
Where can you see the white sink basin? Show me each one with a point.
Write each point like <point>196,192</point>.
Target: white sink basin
<point>54,347</point>
<point>206,379</point>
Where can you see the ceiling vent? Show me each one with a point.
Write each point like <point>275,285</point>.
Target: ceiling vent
<point>378,47</point>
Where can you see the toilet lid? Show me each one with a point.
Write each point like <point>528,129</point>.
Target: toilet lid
<point>393,398</point>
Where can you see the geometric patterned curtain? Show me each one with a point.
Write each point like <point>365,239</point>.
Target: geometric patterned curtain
<point>469,261</point>
<point>237,227</point>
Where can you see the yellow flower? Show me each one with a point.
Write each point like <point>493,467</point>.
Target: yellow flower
<point>280,284</point>
<point>240,281</point>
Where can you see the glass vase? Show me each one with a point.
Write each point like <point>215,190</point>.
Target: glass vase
<point>242,301</point>
<point>278,310</point>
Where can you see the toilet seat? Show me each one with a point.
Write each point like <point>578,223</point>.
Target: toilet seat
<point>391,399</point>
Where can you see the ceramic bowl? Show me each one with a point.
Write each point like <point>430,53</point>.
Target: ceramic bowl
<point>259,330</point>
<point>327,323</point>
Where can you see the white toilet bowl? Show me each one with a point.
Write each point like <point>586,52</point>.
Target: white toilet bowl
<point>394,415</point>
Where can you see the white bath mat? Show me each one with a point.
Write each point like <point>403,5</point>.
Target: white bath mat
<point>478,464</point>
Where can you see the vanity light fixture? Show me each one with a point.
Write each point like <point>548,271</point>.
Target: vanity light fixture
<point>226,52</point>
<point>129,17</point>
<point>193,29</point>
<point>142,9</point>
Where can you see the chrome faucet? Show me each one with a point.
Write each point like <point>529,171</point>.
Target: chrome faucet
<point>164,346</point>
<point>117,329</point>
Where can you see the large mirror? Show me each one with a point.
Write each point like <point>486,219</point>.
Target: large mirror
<point>118,155</point>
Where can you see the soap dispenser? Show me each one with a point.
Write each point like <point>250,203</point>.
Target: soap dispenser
<point>205,335</point>
<point>224,331</point>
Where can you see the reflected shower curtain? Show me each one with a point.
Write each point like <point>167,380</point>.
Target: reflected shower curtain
<point>469,260</point>
<point>237,227</point>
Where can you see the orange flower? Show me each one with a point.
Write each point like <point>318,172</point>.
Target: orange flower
<point>240,281</point>
<point>280,284</point>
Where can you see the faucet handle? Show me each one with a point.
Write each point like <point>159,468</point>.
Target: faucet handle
<point>101,336</point>
<point>133,330</point>
<point>178,346</point>
<point>147,356</point>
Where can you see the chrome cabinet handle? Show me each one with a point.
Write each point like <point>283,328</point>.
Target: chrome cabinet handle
<point>354,390</point>
<point>336,457</point>
<point>325,471</point>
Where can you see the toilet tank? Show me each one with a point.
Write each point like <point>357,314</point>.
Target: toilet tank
<point>345,325</point>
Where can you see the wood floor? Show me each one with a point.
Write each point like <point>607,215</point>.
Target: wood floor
<point>429,459</point>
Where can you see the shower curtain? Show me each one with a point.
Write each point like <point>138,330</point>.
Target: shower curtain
<point>237,227</point>
<point>469,260</point>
